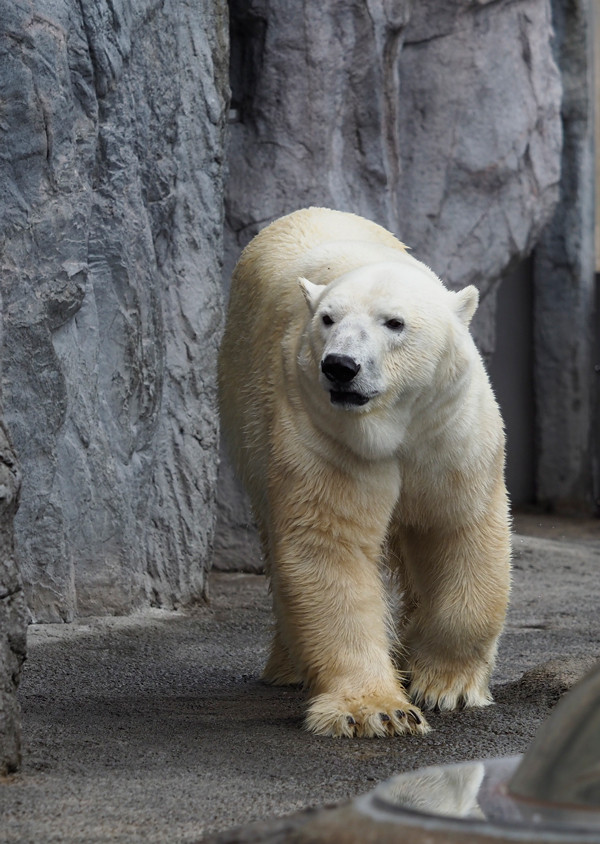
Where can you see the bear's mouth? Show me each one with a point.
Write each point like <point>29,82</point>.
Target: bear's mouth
<point>347,397</point>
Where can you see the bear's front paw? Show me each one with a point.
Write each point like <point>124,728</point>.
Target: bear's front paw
<point>445,689</point>
<point>365,717</point>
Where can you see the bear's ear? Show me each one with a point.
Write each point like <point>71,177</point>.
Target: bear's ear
<point>465,303</point>
<point>311,292</point>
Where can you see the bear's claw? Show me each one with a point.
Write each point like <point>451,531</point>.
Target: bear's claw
<point>445,692</point>
<point>329,715</point>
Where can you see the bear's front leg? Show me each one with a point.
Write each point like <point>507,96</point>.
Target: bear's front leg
<point>331,608</point>
<point>459,586</point>
<point>333,616</point>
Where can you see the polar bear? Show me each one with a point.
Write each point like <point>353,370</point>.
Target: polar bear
<point>361,419</point>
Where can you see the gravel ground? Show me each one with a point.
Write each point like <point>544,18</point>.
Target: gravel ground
<point>156,728</point>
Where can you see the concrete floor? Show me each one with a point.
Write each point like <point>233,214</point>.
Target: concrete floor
<point>156,728</point>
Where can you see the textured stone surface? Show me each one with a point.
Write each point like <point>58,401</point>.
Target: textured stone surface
<point>480,141</point>
<point>13,616</point>
<point>110,239</point>
<point>236,542</point>
<point>442,125</point>
<point>441,122</point>
<point>568,471</point>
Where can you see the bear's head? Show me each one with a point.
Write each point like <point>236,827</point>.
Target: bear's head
<point>381,335</point>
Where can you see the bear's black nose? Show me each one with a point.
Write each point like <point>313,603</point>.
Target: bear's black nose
<point>340,368</point>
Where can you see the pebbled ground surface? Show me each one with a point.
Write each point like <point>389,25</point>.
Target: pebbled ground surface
<point>156,728</point>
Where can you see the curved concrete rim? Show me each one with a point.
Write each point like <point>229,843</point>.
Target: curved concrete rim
<point>540,825</point>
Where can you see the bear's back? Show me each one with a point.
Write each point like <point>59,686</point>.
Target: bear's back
<point>308,242</point>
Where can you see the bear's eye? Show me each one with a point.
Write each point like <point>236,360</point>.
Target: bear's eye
<point>326,319</point>
<point>395,324</point>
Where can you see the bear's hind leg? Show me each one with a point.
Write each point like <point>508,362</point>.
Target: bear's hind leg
<point>280,669</point>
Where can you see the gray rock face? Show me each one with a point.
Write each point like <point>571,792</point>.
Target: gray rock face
<point>111,184</point>
<point>564,284</point>
<point>439,121</point>
<point>13,615</point>
<point>442,125</point>
<point>480,141</point>
<point>236,542</point>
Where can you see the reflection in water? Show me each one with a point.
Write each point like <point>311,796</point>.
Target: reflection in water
<point>451,791</point>
<point>476,791</point>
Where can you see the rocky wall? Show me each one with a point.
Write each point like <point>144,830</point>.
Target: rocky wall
<point>566,382</point>
<point>439,121</point>
<point>13,614</point>
<point>111,186</point>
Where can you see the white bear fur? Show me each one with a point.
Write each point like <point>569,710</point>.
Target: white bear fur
<point>410,481</point>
